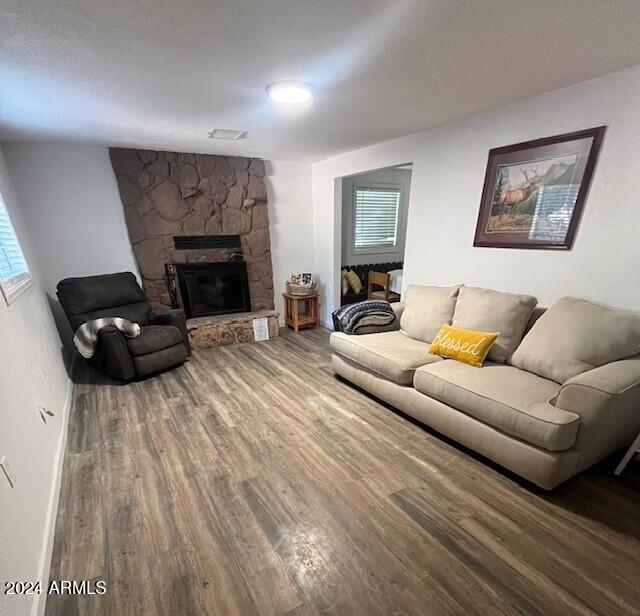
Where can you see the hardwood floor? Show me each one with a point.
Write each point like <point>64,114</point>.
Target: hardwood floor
<point>252,481</point>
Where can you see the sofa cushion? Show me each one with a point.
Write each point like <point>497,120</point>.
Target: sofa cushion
<point>389,354</point>
<point>509,399</point>
<point>495,311</point>
<point>426,308</point>
<point>154,338</point>
<point>574,336</point>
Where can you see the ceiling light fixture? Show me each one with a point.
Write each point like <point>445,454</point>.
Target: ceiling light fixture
<point>290,92</point>
<point>226,133</point>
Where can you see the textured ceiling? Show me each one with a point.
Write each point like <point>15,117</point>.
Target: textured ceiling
<point>160,74</point>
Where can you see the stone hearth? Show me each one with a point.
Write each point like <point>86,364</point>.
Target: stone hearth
<point>167,194</point>
<point>225,329</point>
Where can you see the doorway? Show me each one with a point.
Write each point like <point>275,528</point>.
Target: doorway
<point>375,207</point>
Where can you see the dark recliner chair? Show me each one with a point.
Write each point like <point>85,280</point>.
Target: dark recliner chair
<point>162,343</point>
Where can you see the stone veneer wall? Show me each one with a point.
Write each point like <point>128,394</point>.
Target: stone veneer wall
<point>168,193</point>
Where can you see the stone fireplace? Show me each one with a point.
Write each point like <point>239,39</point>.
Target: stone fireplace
<point>172,200</point>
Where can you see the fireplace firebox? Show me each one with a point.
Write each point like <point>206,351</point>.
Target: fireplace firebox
<point>213,288</point>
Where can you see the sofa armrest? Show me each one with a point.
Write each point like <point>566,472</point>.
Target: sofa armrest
<point>112,354</point>
<point>608,402</point>
<point>176,317</point>
<point>398,308</point>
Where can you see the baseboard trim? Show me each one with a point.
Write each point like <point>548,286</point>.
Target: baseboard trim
<point>40,601</point>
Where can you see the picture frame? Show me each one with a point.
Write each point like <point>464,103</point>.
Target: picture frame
<point>534,192</point>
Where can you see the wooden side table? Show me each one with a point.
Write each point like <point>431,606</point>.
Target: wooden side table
<point>300,311</point>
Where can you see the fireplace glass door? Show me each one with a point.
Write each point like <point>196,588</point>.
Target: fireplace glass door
<point>214,288</point>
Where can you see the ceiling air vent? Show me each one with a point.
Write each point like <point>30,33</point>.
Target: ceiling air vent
<point>227,133</point>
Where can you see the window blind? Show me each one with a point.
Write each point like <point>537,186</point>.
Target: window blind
<point>376,216</point>
<point>14,273</point>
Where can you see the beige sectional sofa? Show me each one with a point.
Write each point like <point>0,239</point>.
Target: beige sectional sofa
<point>559,392</point>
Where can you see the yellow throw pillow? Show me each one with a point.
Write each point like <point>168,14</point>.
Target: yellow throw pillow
<point>354,281</point>
<point>465,345</point>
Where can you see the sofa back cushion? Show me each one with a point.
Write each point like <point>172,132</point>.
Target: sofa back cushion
<point>495,311</point>
<point>105,295</point>
<point>426,308</point>
<point>574,336</point>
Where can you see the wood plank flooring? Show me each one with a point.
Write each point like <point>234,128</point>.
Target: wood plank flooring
<point>252,481</point>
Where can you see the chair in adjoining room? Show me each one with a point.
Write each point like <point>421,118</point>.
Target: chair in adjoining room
<point>162,343</point>
<point>381,279</point>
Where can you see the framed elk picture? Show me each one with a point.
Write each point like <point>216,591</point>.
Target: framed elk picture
<point>534,192</point>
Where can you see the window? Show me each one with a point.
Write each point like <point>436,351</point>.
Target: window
<point>376,217</point>
<point>14,273</point>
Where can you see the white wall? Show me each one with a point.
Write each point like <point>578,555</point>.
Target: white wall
<point>32,374</point>
<point>72,200</point>
<point>290,222</point>
<point>448,172</point>
<point>70,196</point>
<point>398,177</point>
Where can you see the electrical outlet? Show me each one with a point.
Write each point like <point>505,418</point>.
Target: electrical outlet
<point>8,471</point>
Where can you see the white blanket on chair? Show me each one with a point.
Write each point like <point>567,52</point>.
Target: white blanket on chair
<point>86,336</point>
